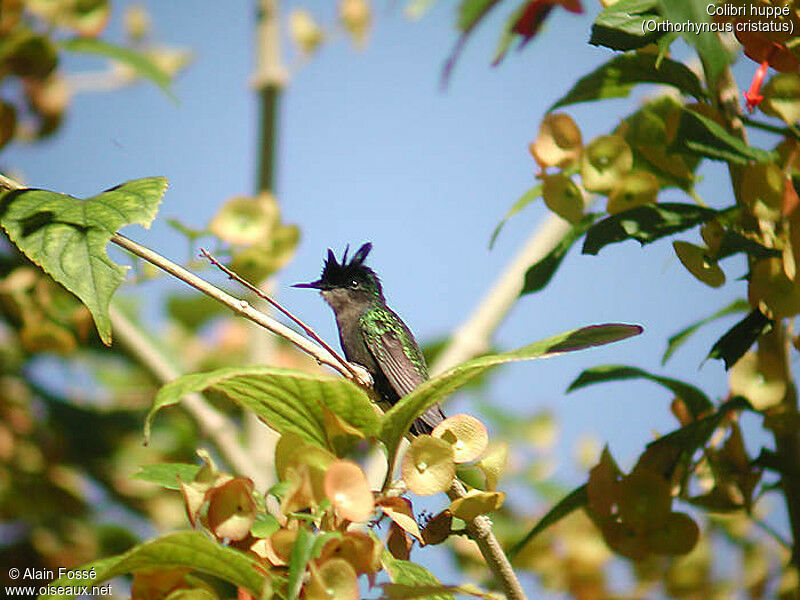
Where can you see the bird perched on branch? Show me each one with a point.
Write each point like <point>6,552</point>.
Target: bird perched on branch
<point>371,334</point>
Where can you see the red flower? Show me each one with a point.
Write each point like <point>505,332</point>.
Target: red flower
<point>753,95</point>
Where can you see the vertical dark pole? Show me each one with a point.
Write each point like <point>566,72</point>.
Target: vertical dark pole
<point>270,78</point>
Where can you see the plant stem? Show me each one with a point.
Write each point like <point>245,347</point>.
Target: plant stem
<point>480,530</point>
<point>784,131</point>
<point>774,344</point>
<point>308,330</point>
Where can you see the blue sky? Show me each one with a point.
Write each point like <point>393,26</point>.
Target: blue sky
<point>371,148</point>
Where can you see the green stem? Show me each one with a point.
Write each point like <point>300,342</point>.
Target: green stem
<point>789,131</point>
<point>773,344</point>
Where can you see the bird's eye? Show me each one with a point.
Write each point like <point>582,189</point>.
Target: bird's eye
<point>354,284</point>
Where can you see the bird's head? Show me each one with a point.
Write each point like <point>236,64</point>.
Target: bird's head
<point>346,282</point>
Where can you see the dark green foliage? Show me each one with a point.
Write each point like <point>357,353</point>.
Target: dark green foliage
<point>739,338</point>
<point>646,224</point>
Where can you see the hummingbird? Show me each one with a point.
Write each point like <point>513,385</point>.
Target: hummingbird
<point>371,334</point>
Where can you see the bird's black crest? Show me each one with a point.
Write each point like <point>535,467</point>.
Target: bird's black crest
<point>337,273</point>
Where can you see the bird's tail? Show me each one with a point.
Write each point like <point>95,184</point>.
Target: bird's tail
<point>428,420</point>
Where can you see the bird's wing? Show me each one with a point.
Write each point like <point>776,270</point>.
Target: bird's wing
<point>402,364</point>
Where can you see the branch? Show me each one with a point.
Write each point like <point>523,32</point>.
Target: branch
<point>473,337</point>
<point>480,530</point>
<point>308,330</point>
<point>788,131</point>
<point>775,343</point>
<point>241,308</point>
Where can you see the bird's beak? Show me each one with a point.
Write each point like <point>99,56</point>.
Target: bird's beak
<point>316,285</point>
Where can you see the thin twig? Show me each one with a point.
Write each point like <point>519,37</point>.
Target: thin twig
<point>772,532</point>
<point>240,307</point>
<point>788,131</point>
<point>480,530</point>
<point>309,331</point>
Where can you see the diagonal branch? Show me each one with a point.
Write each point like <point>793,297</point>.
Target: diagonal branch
<point>308,330</point>
<point>241,308</point>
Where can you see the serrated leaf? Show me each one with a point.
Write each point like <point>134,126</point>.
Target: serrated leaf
<point>739,338</point>
<point>67,237</point>
<point>677,340</point>
<point>286,400</point>
<point>705,137</point>
<point>539,275</point>
<point>298,561</point>
<point>166,474</point>
<point>408,573</point>
<point>523,201</point>
<point>616,78</point>
<point>695,399</point>
<point>646,224</point>
<point>621,26</point>
<point>186,549</point>
<point>577,498</point>
<point>139,62</point>
<point>397,420</point>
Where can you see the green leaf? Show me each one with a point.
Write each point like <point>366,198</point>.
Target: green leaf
<point>264,525</point>
<point>679,338</point>
<point>397,420</point>
<point>577,498</point>
<point>186,549</point>
<point>470,12</point>
<point>738,339</point>
<point>193,310</point>
<point>166,474</point>
<point>705,137</point>
<point>507,36</point>
<point>707,43</point>
<point>133,58</point>
<point>408,573</point>
<point>298,561</point>
<point>646,224</point>
<point>646,132</point>
<point>616,78</point>
<point>539,275</point>
<point>622,26</point>
<point>285,399</point>
<point>734,242</point>
<point>532,194</point>
<point>402,591</point>
<point>67,237</point>
<point>691,437</point>
<point>697,402</point>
